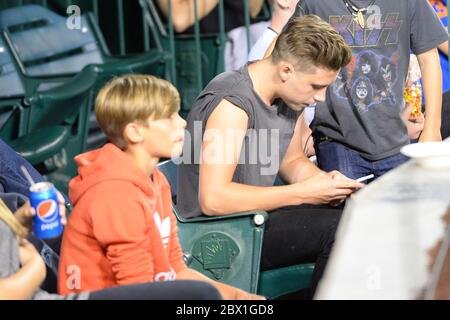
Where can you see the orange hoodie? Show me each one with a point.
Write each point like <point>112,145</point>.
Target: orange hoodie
<point>122,229</point>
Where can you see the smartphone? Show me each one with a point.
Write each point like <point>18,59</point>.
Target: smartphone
<point>362,179</point>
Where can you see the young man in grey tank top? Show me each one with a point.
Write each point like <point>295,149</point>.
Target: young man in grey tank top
<point>246,127</point>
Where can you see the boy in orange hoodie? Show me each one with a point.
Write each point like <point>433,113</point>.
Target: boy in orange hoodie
<point>122,229</point>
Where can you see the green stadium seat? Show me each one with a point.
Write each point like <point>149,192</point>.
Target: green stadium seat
<point>45,46</point>
<point>42,145</point>
<point>228,249</point>
<point>12,122</point>
<point>56,127</point>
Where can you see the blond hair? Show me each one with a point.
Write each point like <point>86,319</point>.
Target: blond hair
<point>308,41</point>
<point>11,221</point>
<point>133,98</point>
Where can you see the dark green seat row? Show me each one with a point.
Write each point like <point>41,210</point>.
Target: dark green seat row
<point>47,95</point>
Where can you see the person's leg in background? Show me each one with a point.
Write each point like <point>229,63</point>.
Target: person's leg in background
<point>332,155</point>
<point>381,167</point>
<point>169,290</point>
<point>11,176</point>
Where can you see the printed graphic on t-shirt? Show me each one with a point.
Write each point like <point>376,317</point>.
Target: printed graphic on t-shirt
<point>165,276</point>
<point>380,30</point>
<point>164,230</point>
<point>368,81</point>
<point>370,78</point>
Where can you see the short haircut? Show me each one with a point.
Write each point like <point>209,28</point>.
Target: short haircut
<point>308,41</point>
<point>133,98</point>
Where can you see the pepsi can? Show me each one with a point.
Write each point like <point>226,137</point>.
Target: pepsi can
<point>44,200</point>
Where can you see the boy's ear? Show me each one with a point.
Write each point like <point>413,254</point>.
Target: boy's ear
<point>133,133</point>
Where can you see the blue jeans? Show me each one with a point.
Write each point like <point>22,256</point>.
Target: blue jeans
<point>12,179</point>
<point>332,155</point>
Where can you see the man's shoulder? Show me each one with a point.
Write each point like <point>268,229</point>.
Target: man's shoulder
<point>226,81</point>
<point>232,86</point>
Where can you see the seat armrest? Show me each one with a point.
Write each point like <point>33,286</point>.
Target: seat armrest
<point>41,144</point>
<point>247,214</point>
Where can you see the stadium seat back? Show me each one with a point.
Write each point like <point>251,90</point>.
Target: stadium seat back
<point>10,82</point>
<point>227,249</point>
<point>46,45</point>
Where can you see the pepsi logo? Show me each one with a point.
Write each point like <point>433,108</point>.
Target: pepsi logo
<point>46,210</point>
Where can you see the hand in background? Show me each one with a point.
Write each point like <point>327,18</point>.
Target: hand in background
<point>62,209</point>
<point>25,216</point>
<point>26,213</point>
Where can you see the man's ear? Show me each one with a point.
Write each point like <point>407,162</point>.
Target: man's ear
<point>132,133</point>
<point>285,70</point>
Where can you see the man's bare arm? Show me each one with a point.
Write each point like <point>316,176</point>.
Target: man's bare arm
<point>183,11</point>
<point>296,167</point>
<point>222,143</point>
<point>432,86</point>
<point>219,195</point>
<point>443,47</point>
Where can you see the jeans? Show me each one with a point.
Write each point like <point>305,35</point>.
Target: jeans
<point>332,155</point>
<point>11,177</point>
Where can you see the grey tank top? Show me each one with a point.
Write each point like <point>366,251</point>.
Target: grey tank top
<point>269,133</point>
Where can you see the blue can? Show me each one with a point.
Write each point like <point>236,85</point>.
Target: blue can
<point>44,200</point>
